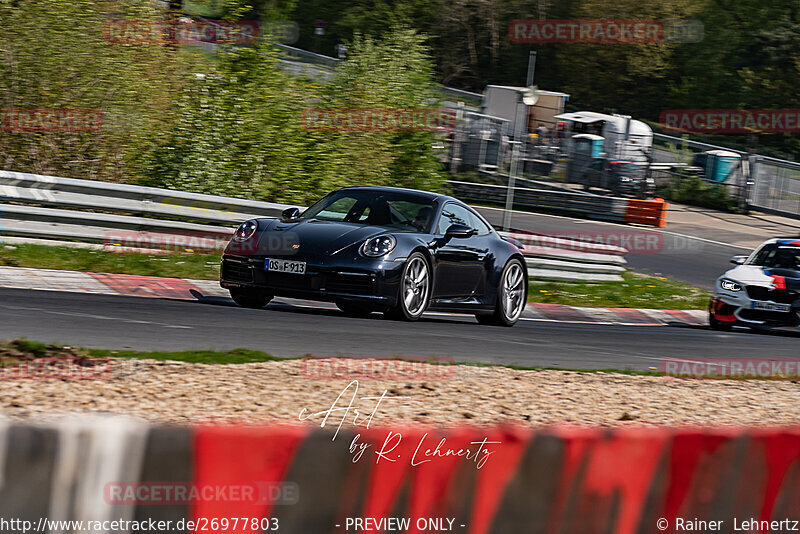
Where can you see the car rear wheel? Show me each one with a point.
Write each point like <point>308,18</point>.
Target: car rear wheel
<point>353,309</point>
<point>512,293</point>
<point>250,298</point>
<point>415,289</point>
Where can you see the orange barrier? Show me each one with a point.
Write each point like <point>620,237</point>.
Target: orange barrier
<point>652,212</point>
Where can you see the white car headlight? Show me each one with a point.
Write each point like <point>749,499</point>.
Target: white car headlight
<point>375,247</point>
<point>730,285</point>
<point>245,230</point>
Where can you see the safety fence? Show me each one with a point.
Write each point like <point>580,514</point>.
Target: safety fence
<point>775,185</point>
<point>477,480</point>
<point>613,209</point>
<point>483,146</point>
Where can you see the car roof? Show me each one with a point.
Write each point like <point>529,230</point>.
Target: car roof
<point>428,194</point>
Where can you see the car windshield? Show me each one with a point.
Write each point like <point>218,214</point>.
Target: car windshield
<point>778,257</point>
<point>374,207</point>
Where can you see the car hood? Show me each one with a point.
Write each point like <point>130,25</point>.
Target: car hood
<point>763,276</point>
<point>314,237</point>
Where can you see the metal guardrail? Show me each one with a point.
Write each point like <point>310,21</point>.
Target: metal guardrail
<point>86,211</point>
<point>612,209</point>
<point>58,211</point>
<point>306,56</point>
<point>560,259</point>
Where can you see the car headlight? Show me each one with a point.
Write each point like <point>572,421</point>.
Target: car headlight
<point>730,285</point>
<point>245,230</point>
<point>378,246</point>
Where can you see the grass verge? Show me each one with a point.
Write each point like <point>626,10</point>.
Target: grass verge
<point>234,356</point>
<point>21,349</point>
<point>635,291</point>
<point>194,265</point>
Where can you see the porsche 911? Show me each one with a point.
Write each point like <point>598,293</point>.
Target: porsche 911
<point>397,251</point>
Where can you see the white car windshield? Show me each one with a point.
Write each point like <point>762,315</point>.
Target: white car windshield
<point>777,256</point>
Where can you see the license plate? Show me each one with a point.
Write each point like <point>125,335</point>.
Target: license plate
<point>771,306</point>
<point>285,266</point>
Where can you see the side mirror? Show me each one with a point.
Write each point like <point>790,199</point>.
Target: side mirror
<point>739,260</point>
<point>460,231</point>
<point>291,213</point>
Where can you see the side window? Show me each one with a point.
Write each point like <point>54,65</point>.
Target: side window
<point>453,214</point>
<point>479,225</point>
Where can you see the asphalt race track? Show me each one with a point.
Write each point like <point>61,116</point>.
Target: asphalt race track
<point>695,261</point>
<point>118,322</point>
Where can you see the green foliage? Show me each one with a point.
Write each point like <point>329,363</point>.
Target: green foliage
<point>749,56</point>
<point>231,357</point>
<point>698,192</point>
<point>635,291</point>
<point>196,265</point>
<point>34,348</point>
<point>54,55</point>
<point>239,131</point>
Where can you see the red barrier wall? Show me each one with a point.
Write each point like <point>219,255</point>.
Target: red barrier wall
<point>551,481</point>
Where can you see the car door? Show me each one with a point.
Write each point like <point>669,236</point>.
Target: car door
<point>459,263</point>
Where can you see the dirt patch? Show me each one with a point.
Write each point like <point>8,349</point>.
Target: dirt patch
<point>177,392</point>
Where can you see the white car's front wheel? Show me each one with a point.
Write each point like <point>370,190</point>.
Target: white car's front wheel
<point>716,324</point>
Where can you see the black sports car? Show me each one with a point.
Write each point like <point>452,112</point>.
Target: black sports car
<point>397,251</point>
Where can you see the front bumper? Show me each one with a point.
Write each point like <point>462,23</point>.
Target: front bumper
<point>738,308</point>
<point>371,281</point>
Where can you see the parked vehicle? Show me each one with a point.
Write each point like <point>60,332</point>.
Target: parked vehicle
<point>619,177</point>
<point>591,167</point>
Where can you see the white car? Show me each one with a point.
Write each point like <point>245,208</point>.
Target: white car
<point>762,291</point>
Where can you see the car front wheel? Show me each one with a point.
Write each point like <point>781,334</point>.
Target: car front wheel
<point>250,298</point>
<point>415,289</point>
<point>714,323</point>
<point>718,325</point>
<point>512,296</point>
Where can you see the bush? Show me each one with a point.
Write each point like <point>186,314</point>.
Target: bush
<point>239,129</point>
<point>226,123</point>
<point>698,192</point>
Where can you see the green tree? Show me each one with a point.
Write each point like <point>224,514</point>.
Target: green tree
<point>54,55</point>
<point>239,128</point>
